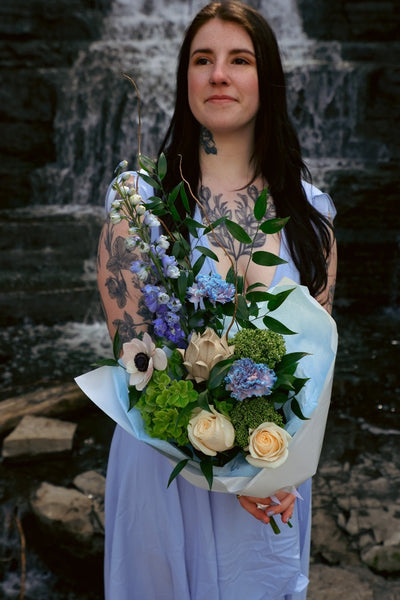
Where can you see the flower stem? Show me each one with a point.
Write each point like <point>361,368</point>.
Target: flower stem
<point>274,526</point>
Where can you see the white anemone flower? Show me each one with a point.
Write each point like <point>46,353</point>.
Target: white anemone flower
<point>140,358</point>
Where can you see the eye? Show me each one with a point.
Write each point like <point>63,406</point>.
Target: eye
<point>240,61</point>
<point>202,60</point>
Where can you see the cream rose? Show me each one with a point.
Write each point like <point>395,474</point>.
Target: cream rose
<point>205,351</point>
<point>210,432</point>
<point>268,446</point>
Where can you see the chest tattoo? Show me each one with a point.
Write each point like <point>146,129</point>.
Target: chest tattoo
<point>241,212</point>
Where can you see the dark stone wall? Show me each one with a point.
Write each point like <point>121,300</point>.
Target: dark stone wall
<point>40,39</point>
<point>366,186</point>
<point>347,20</point>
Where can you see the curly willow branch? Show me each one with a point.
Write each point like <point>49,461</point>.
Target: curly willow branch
<point>133,82</point>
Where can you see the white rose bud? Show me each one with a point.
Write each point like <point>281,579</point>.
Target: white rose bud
<point>268,446</point>
<point>210,432</point>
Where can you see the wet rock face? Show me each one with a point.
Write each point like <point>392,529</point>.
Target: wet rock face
<point>360,20</point>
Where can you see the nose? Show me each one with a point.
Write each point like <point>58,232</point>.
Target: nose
<point>219,74</point>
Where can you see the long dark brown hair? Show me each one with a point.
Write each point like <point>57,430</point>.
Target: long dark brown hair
<point>277,154</point>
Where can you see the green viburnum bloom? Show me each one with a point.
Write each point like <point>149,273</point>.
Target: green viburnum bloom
<point>261,345</point>
<point>160,405</point>
<point>249,414</point>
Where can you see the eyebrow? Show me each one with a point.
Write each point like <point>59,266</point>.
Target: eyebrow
<point>234,51</point>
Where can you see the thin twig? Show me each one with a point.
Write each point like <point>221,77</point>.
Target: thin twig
<point>133,82</point>
<point>23,556</point>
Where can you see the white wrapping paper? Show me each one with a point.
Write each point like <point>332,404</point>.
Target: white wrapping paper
<point>317,335</point>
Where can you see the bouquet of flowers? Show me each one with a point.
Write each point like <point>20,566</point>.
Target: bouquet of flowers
<point>226,378</point>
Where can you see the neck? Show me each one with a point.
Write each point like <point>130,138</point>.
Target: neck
<point>226,159</point>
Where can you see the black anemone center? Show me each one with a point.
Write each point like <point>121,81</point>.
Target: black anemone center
<point>141,361</point>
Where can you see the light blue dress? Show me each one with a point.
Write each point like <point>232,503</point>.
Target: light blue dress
<point>185,543</point>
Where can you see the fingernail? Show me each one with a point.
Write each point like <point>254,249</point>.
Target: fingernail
<point>270,513</point>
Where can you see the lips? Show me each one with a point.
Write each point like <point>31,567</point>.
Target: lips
<point>220,98</point>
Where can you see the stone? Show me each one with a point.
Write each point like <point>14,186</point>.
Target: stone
<point>332,583</point>
<point>39,435</point>
<point>49,401</point>
<point>328,543</point>
<point>69,516</point>
<point>91,483</point>
<point>383,558</point>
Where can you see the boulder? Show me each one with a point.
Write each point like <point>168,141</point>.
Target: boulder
<point>39,435</point>
<point>70,517</point>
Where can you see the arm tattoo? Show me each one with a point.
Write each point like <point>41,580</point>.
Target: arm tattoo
<point>119,260</point>
<point>242,213</point>
<point>207,141</point>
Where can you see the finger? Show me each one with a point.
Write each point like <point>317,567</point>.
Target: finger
<point>257,500</point>
<point>250,505</point>
<point>285,508</point>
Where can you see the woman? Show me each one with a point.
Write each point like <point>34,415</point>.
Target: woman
<point>231,128</point>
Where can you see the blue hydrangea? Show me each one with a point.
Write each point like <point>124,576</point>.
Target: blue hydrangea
<point>212,287</point>
<point>247,378</point>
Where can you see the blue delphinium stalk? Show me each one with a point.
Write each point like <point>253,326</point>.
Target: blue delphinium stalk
<point>247,378</point>
<point>167,312</point>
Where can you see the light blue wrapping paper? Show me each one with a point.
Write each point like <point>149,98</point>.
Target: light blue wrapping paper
<point>317,335</point>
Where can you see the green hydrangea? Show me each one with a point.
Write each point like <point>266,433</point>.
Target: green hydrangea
<point>160,405</point>
<point>249,414</point>
<point>261,345</point>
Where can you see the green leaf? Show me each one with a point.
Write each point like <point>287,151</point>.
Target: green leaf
<point>273,225</point>
<point>278,299</point>
<point>184,198</point>
<point>238,232</point>
<point>147,164</point>
<point>182,285</point>
<point>242,309</point>
<point>295,406</point>
<point>162,166</point>
<point>180,249</point>
<point>193,226</point>
<point>291,358</point>
<point>277,326</point>
<point>198,264</point>
<point>207,252</point>
<point>218,373</point>
<point>299,383</point>
<point>257,296</point>
<point>207,470</point>
<point>256,285</point>
<point>214,225</point>
<point>106,362</point>
<point>285,381</point>
<point>202,401</point>
<point>267,259</point>
<point>178,468</point>
<point>172,196</point>
<point>150,181</point>
<point>134,396</point>
<point>260,205</point>
<point>230,276</point>
<point>117,345</point>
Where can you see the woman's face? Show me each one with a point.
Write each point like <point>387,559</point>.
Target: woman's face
<point>222,78</point>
